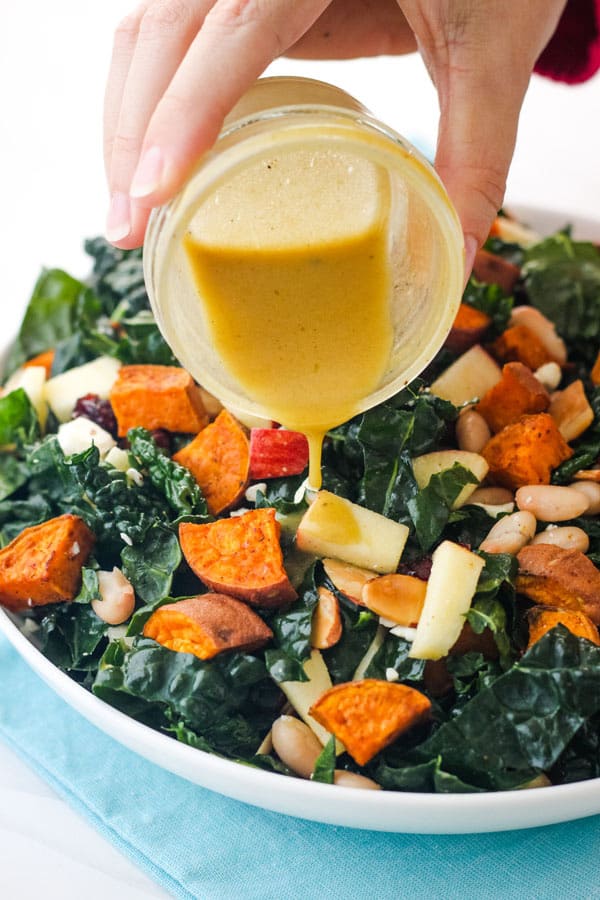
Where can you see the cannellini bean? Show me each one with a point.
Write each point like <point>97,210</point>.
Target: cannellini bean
<point>591,490</point>
<point>549,375</point>
<point>295,745</point>
<point>550,502</point>
<point>510,534</point>
<point>472,431</point>
<point>118,598</point>
<point>352,780</point>
<point>569,537</point>
<point>543,329</point>
<point>492,496</point>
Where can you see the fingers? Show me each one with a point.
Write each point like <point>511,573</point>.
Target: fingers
<point>238,40</point>
<point>147,50</point>
<point>180,83</point>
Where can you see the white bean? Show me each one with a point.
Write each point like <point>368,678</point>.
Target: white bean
<point>118,598</point>
<point>550,502</point>
<point>591,490</point>
<point>510,534</point>
<point>472,431</point>
<point>492,496</point>
<point>543,329</point>
<point>295,745</point>
<point>569,537</point>
<point>549,375</point>
<point>350,779</point>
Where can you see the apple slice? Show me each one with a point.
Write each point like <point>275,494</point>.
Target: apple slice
<point>32,379</point>
<point>302,694</point>
<point>333,526</point>
<point>439,460</point>
<point>452,584</point>
<point>468,378</point>
<point>276,453</point>
<point>96,377</point>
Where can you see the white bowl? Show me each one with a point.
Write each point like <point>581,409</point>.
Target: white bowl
<point>378,810</point>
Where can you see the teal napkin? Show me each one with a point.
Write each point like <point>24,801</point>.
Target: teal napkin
<point>197,844</point>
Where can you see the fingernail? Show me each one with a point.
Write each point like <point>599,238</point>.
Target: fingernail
<point>118,222</point>
<point>148,174</point>
<point>471,245</point>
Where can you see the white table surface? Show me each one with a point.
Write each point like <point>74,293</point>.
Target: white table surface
<point>52,69</point>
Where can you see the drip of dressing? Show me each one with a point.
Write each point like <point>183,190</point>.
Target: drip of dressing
<point>290,259</point>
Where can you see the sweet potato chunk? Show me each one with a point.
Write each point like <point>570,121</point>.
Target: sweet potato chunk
<point>520,344</point>
<point>517,394</point>
<point>467,329</point>
<point>493,269</point>
<point>526,452</point>
<point>560,579</point>
<point>541,620</point>
<point>157,397</point>
<point>326,622</point>
<point>44,359</point>
<point>240,556</point>
<point>43,564</point>
<point>207,625</point>
<point>571,411</point>
<point>368,715</point>
<point>219,460</point>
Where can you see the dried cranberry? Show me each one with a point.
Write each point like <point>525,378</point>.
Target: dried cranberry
<point>162,438</point>
<point>418,568</point>
<point>96,410</point>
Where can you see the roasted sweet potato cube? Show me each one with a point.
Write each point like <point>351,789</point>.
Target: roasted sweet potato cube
<point>327,621</point>
<point>207,625</point>
<point>154,397</point>
<point>493,269</point>
<point>559,579</point>
<point>368,715</point>
<point>43,564</point>
<point>468,328</point>
<point>517,394</point>
<point>526,452</point>
<point>240,556</point>
<point>519,344</point>
<point>541,620</point>
<point>219,460</point>
<point>44,359</point>
<point>571,411</point>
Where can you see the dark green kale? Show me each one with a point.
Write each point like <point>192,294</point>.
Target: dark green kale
<point>491,300</point>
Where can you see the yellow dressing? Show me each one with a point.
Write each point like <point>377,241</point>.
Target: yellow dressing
<point>336,520</point>
<point>296,289</point>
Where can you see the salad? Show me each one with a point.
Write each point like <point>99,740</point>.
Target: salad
<point>428,621</point>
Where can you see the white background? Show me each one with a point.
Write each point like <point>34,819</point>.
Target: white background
<point>54,56</point>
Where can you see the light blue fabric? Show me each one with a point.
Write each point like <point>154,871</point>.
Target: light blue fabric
<point>197,844</point>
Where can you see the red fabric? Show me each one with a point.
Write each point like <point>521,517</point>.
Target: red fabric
<point>573,53</point>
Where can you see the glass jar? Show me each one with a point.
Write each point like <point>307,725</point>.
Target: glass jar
<point>300,163</point>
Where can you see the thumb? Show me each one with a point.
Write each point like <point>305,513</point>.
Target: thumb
<point>479,114</point>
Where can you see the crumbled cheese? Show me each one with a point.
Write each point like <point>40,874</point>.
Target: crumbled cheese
<point>409,634</point>
<point>135,476</point>
<point>253,490</point>
<point>75,550</point>
<point>387,623</point>
<point>126,539</point>
<point>391,675</point>
<point>239,512</point>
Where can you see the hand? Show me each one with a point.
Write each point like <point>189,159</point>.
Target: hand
<point>179,66</point>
